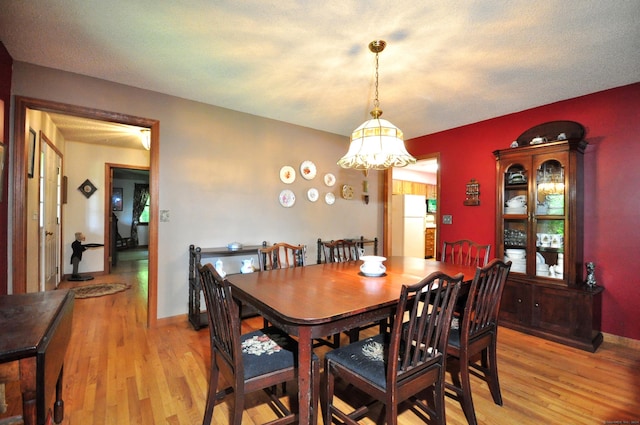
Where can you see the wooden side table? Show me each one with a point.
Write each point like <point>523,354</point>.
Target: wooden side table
<point>36,329</point>
<point>198,318</point>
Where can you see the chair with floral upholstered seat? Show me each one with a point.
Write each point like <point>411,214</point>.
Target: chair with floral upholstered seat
<point>261,359</point>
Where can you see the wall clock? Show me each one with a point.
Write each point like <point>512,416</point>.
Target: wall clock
<point>87,188</point>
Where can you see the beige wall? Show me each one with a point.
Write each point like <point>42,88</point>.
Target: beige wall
<point>219,174</point>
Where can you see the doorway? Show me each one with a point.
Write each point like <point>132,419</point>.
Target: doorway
<point>20,190</point>
<point>126,225</point>
<point>50,215</point>
<point>426,171</point>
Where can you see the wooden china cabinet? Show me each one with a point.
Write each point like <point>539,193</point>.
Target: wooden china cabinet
<point>539,225</point>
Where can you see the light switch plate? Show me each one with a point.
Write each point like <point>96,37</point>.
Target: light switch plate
<point>164,215</point>
<point>447,219</point>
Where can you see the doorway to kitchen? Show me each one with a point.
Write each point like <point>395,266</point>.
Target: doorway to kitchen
<point>412,196</point>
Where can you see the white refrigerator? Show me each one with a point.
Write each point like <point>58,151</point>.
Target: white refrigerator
<point>408,214</point>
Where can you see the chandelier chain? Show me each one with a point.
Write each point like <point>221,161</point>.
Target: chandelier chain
<point>376,102</point>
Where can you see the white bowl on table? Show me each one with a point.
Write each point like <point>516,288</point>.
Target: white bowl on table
<point>372,265</point>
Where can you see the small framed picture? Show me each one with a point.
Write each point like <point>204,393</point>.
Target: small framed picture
<point>116,199</point>
<point>32,152</point>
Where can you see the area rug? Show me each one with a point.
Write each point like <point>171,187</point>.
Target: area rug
<point>99,289</point>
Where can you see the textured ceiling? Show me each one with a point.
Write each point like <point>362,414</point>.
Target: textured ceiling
<point>84,130</point>
<point>447,63</point>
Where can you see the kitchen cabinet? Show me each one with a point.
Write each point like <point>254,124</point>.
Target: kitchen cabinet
<point>404,187</point>
<point>430,242</point>
<point>539,224</point>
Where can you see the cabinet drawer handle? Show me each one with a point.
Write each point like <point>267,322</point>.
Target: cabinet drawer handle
<point>537,304</point>
<point>519,300</point>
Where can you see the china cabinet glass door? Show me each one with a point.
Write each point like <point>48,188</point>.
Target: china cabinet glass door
<point>534,215</point>
<point>550,216</point>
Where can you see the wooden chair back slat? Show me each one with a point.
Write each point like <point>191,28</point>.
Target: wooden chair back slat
<point>281,255</point>
<point>341,250</point>
<point>465,252</point>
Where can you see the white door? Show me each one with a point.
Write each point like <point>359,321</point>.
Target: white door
<point>50,210</point>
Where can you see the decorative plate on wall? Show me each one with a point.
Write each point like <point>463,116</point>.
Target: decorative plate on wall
<point>329,179</point>
<point>287,174</point>
<point>312,194</point>
<point>287,198</point>
<point>308,170</point>
<point>87,188</point>
<point>329,198</point>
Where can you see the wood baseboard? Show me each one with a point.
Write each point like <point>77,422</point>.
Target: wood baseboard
<point>172,320</point>
<point>621,340</point>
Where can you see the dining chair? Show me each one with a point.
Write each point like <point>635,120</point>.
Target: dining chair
<point>477,333</point>
<point>465,252</point>
<point>394,367</point>
<point>340,251</point>
<point>281,255</point>
<point>259,360</point>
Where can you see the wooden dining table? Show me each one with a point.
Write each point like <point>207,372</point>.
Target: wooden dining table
<point>324,299</point>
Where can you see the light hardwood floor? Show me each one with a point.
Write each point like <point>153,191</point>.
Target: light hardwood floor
<point>118,371</point>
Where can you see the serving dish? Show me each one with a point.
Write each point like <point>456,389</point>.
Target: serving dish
<point>372,265</point>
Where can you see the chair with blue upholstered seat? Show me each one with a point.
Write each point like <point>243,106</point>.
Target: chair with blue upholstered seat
<point>395,367</point>
<point>477,333</point>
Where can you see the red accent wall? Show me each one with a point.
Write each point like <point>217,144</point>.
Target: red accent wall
<point>6,65</point>
<point>612,187</point>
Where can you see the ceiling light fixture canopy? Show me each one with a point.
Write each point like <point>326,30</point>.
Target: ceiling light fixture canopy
<point>145,138</point>
<point>376,144</point>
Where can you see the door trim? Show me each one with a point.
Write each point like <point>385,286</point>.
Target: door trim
<point>19,189</point>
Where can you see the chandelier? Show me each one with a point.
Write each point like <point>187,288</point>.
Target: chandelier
<point>376,144</point>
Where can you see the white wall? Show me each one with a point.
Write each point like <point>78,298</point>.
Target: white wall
<point>219,174</point>
<point>80,214</point>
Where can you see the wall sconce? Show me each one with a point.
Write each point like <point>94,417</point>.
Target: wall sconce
<point>473,193</point>
<point>365,192</point>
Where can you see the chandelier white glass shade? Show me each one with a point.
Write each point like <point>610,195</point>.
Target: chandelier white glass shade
<point>376,144</point>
